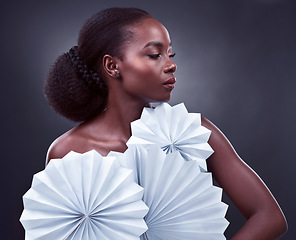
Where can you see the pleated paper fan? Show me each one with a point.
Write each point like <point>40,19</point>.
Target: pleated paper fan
<point>174,129</point>
<point>84,196</point>
<point>183,203</point>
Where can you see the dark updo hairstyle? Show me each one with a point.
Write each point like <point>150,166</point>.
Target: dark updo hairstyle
<point>71,88</point>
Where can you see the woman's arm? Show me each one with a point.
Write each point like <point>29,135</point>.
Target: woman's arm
<point>265,219</point>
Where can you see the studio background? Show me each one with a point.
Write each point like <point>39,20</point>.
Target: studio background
<point>236,65</point>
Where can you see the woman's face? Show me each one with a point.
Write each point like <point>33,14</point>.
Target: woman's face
<point>146,68</point>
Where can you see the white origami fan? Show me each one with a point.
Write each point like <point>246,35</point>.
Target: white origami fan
<point>84,196</point>
<point>173,128</point>
<point>183,203</point>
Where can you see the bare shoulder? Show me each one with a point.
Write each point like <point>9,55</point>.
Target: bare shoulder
<point>208,124</point>
<point>63,145</point>
<point>217,140</point>
<point>224,163</point>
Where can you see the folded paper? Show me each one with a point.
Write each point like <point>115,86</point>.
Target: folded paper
<point>84,196</point>
<point>174,129</point>
<point>87,196</point>
<point>182,201</point>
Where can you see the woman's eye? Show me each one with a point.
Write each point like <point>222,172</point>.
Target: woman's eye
<point>154,56</point>
<point>157,56</point>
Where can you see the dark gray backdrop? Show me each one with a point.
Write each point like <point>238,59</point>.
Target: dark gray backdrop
<point>236,65</point>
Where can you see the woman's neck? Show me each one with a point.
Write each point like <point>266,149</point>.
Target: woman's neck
<point>120,115</point>
<point>120,112</point>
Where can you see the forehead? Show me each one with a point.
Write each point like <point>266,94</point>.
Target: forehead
<point>150,30</point>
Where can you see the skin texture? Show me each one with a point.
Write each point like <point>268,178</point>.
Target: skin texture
<point>265,219</point>
<point>146,71</point>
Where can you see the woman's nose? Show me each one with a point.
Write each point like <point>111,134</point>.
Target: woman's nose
<point>170,66</point>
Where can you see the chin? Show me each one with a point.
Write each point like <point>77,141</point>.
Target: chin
<point>160,100</point>
<point>164,98</point>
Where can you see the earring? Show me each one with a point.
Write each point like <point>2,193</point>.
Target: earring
<point>117,75</point>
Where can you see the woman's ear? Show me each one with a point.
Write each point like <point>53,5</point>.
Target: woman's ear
<point>110,65</point>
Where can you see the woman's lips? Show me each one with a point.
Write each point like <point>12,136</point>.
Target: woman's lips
<point>170,83</point>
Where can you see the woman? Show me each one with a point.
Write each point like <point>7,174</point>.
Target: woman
<point>122,63</point>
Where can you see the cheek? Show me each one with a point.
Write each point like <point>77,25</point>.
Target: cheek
<point>144,79</point>
<point>141,73</point>
<point>139,68</point>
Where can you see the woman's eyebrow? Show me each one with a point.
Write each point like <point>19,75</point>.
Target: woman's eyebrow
<point>155,44</point>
